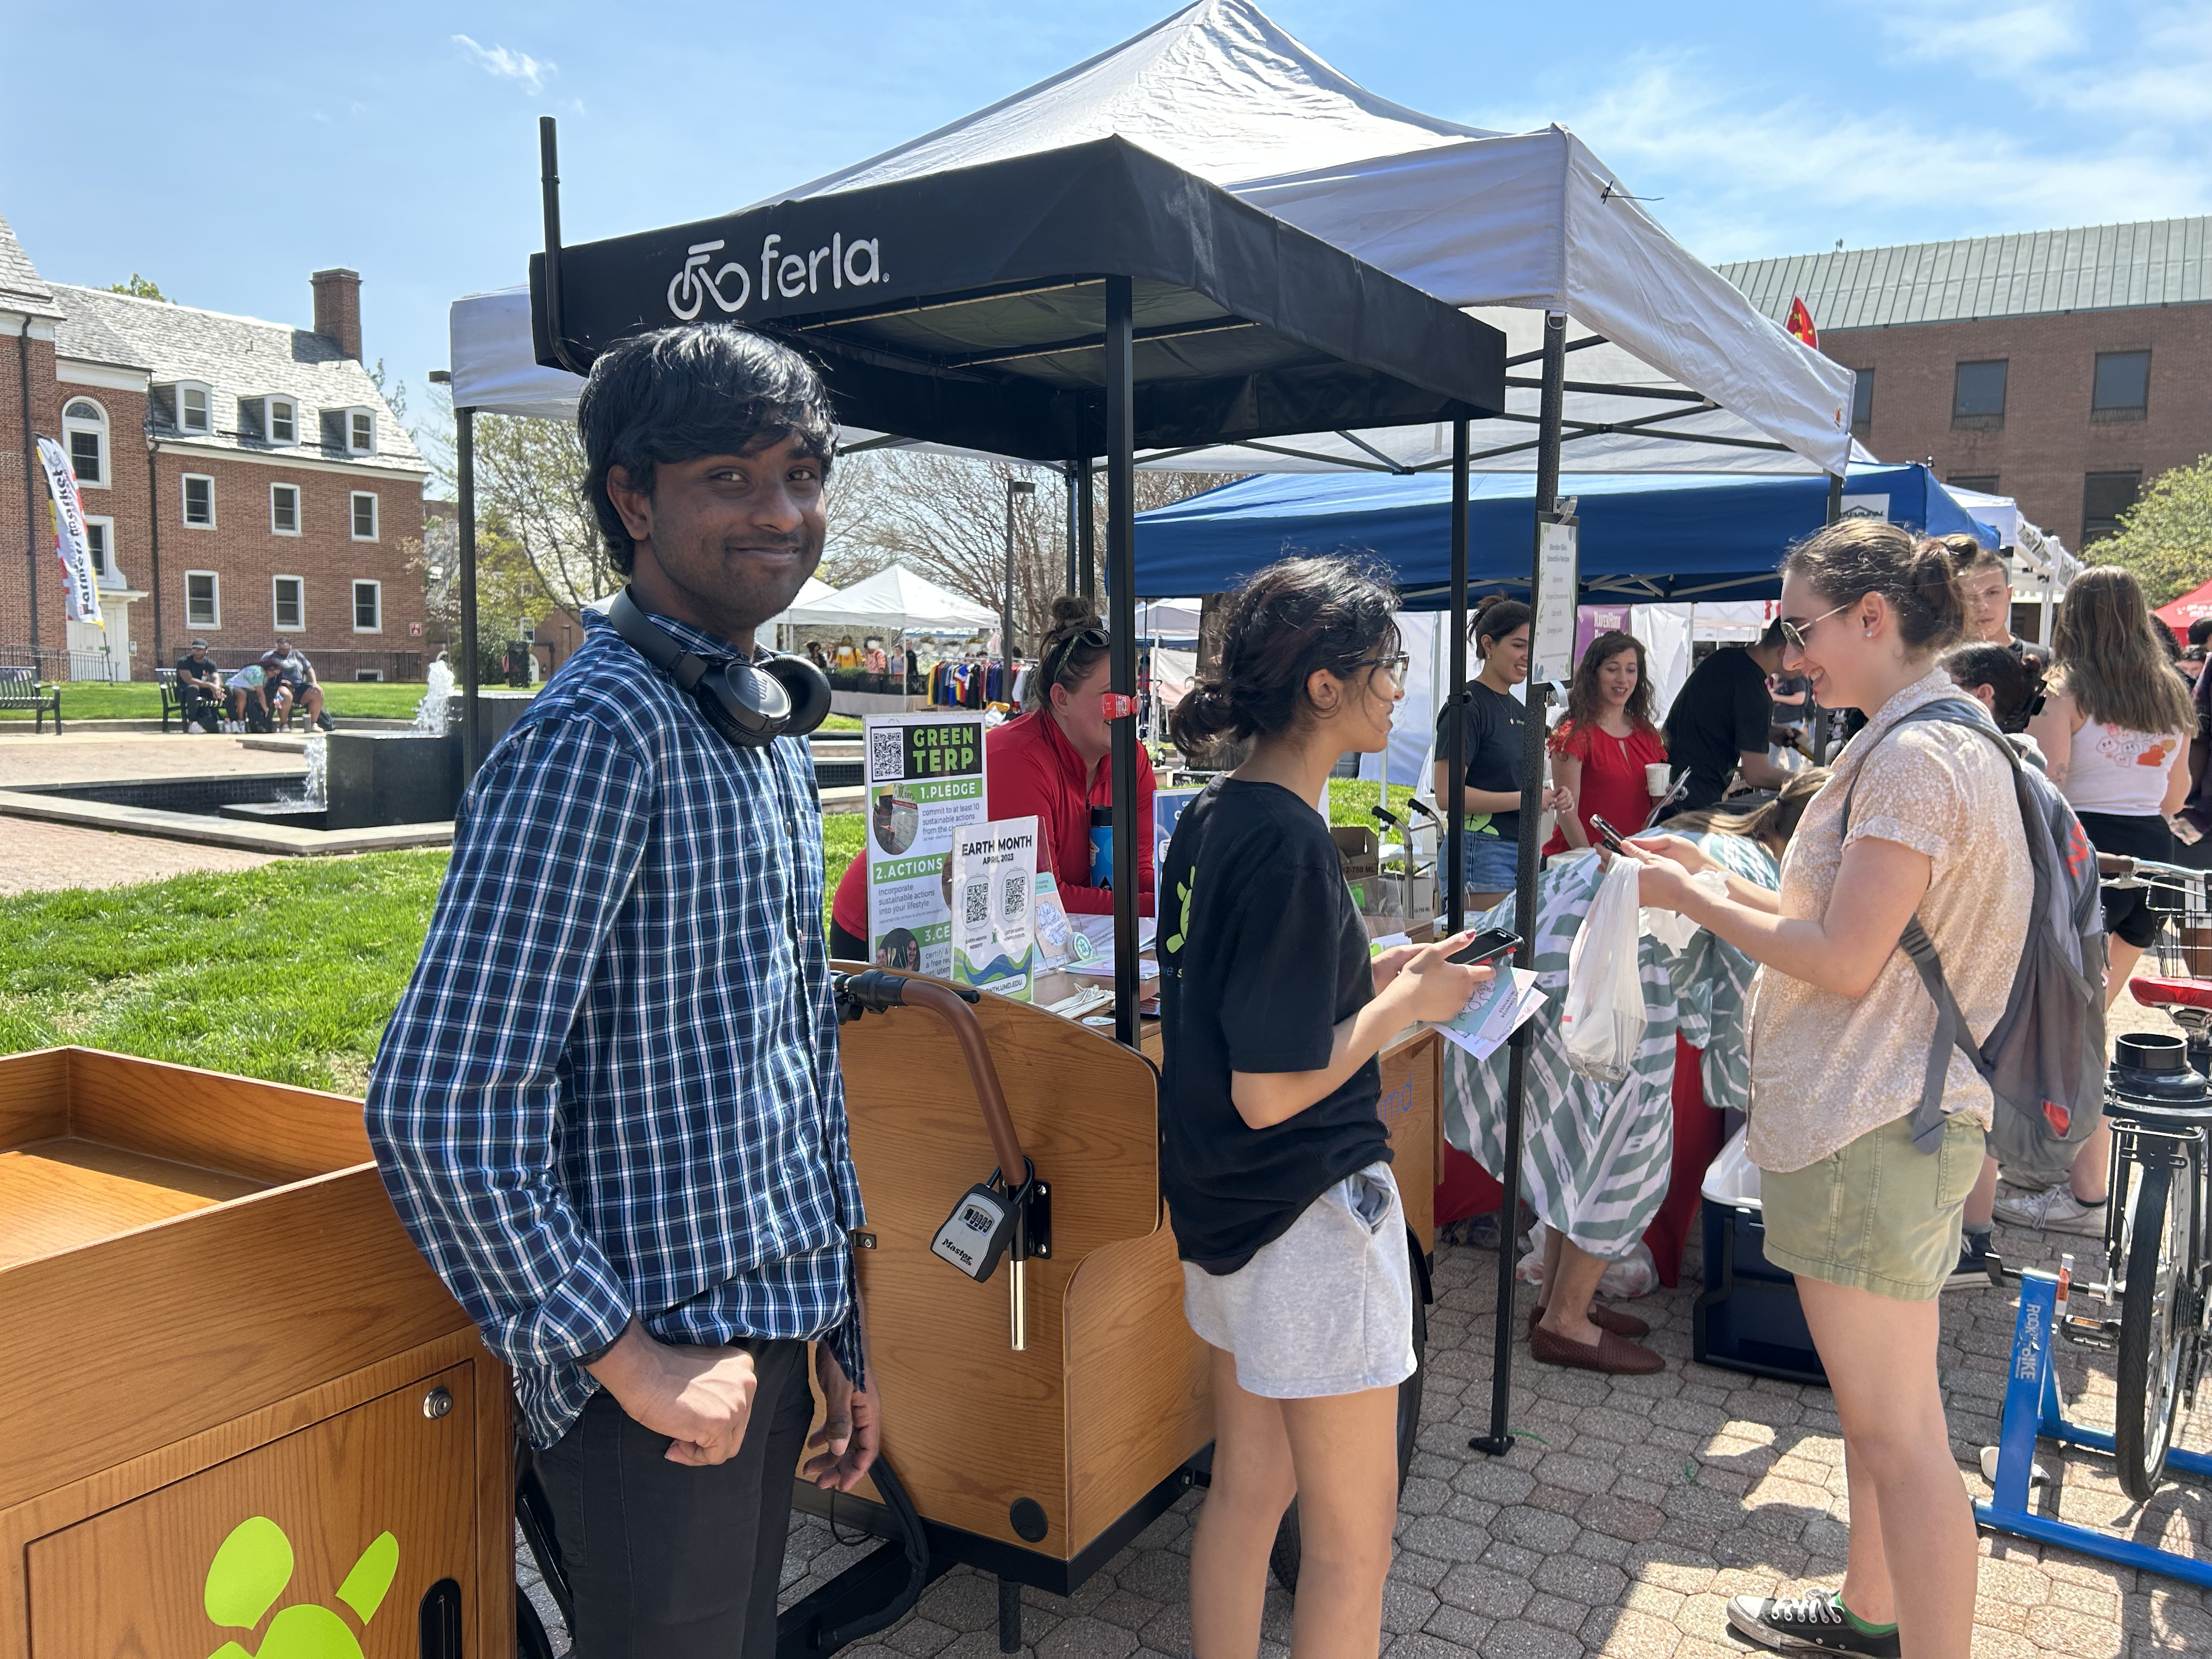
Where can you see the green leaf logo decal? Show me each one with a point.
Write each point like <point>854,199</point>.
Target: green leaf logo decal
<point>363,1589</point>
<point>1174,942</point>
<point>249,1572</point>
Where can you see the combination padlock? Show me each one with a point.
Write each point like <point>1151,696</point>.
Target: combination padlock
<point>979,1230</point>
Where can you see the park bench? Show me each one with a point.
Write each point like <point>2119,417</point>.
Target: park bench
<point>20,688</point>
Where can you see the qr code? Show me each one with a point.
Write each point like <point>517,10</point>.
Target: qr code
<point>1018,898</point>
<point>886,754</point>
<point>976,904</point>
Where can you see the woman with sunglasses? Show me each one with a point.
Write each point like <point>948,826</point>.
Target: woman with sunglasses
<point>1051,762</point>
<point>1273,1159</point>
<point>1865,1212</point>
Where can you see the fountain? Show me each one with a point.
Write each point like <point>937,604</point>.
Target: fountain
<point>432,713</point>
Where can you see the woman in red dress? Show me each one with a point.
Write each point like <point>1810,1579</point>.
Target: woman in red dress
<point>1600,749</point>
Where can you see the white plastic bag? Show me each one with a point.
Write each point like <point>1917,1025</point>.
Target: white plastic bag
<point>1632,1275</point>
<point>1602,1020</point>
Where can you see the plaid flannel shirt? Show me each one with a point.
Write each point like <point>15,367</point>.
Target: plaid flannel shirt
<point>611,1086</point>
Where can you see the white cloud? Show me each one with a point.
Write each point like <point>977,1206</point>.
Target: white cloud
<point>505,65</point>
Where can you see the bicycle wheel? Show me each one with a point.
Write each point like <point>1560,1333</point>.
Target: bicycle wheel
<point>2155,1333</point>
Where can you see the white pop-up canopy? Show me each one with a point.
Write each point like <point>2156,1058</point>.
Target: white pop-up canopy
<point>892,601</point>
<point>1515,224</point>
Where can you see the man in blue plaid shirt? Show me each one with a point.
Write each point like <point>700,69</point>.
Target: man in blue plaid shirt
<point>608,1108</point>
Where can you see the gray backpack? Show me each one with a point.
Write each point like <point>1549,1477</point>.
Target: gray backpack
<point>2044,1058</point>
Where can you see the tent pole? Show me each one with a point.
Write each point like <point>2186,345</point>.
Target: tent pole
<point>1551,411</point>
<point>1121,630</point>
<point>1820,715</point>
<point>1074,575</point>
<point>465,462</point>
<point>1086,533</point>
<point>1456,699</point>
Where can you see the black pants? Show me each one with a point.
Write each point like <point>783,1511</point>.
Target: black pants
<point>667,1561</point>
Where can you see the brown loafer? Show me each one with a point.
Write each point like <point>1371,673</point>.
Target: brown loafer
<point>1611,1354</point>
<point>1605,1318</point>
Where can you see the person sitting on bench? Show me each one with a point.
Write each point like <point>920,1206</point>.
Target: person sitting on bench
<point>249,699</point>
<point>200,689</point>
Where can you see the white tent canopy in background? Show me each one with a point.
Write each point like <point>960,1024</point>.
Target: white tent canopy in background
<point>812,592</point>
<point>892,601</point>
<point>1530,221</point>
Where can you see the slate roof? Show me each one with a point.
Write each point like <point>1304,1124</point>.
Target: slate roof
<point>21,287</point>
<point>236,357</point>
<point>2162,262</point>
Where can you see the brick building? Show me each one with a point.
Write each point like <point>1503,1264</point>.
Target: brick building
<point>241,479</point>
<point>2064,368</point>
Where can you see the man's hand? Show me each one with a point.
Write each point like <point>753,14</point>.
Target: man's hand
<point>700,1398</point>
<point>851,1430</point>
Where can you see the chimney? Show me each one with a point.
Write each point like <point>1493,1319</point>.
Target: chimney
<point>338,309</point>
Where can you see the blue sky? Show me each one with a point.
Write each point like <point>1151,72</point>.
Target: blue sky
<point>227,151</point>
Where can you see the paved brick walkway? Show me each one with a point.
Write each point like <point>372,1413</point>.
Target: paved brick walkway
<point>1632,1510</point>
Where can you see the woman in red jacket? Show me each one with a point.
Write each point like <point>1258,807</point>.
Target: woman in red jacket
<point>1051,761</point>
<point>1600,752</point>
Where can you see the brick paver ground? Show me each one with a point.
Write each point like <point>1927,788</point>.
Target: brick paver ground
<point>1630,1511</point>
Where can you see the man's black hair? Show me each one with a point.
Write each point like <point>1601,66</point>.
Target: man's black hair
<point>678,393</point>
<point>2200,631</point>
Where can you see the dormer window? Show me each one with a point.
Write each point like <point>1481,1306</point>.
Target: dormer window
<point>360,431</point>
<point>193,403</point>
<point>268,419</point>
<point>283,421</point>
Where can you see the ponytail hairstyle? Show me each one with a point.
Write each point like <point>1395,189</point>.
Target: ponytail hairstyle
<point>1776,820</point>
<point>1298,615</point>
<point>1071,650</point>
<point>1496,616</point>
<point>2109,659</point>
<point>1916,577</point>
<point>1585,703</point>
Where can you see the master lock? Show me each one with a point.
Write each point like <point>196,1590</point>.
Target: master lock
<point>979,1230</point>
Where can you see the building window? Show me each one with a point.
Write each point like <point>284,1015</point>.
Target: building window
<point>289,594</point>
<point>1985,482</point>
<point>1978,394</point>
<point>99,538</point>
<point>2122,389</point>
<point>84,424</point>
<point>369,607</point>
<point>199,500</point>
<point>360,431</point>
<point>369,676</point>
<point>1863,402</point>
<point>284,509</point>
<point>283,421</point>
<point>2104,496</point>
<point>192,405</point>
<point>203,600</point>
<point>364,515</point>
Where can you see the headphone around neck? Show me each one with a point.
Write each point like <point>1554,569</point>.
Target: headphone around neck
<point>751,704</point>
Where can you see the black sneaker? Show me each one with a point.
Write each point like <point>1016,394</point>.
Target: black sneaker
<point>324,721</point>
<point>1973,1268</point>
<point>1815,1623</point>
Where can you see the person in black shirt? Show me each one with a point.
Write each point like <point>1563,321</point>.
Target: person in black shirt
<point>1720,722</point>
<point>200,689</point>
<point>1274,1161</point>
<point>1491,786</point>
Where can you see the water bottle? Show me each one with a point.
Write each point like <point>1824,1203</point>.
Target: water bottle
<point>1102,847</point>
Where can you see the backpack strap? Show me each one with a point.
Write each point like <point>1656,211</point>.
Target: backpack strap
<point>1951,1029</point>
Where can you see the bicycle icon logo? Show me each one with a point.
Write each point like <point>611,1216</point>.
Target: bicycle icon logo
<point>689,289</point>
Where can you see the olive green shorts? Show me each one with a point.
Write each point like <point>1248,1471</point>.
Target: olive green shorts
<point>1877,1215</point>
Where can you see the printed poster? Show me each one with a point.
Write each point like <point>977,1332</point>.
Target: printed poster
<point>994,906</point>
<point>1167,806</point>
<point>924,783</point>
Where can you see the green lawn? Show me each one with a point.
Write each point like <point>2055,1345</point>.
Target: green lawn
<point>92,700</point>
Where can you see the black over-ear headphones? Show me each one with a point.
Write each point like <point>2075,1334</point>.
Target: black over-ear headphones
<point>750,703</point>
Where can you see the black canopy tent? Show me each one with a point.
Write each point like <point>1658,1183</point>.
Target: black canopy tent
<point>1083,302</point>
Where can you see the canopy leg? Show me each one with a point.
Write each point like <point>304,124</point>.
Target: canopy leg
<point>1121,630</point>
<point>1455,755</point>
<point>1009,1616</point>
<point>465,459</point>
<point>1500,1440</point>
<point>1086,533</point>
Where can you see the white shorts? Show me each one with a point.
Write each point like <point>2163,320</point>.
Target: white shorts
<point>1326,1309</point>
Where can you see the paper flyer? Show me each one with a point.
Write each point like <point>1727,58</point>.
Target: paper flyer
<point>1060,942</point>
<point>1508,1000</point>
<point>994,906</point>
<point>924,783</point>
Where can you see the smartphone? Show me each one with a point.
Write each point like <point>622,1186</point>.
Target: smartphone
<point>1606,833</point>
<point>1485,947</point>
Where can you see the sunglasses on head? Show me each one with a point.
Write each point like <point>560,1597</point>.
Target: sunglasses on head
<point>1092,638</point>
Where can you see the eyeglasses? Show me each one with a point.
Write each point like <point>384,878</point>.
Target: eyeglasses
<point>1393,666</point>
<point>1793,637</point>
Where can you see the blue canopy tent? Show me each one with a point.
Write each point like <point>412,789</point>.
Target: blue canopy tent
<point>1645,536</point>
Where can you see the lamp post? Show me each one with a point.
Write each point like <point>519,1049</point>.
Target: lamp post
<point>1014,487</point>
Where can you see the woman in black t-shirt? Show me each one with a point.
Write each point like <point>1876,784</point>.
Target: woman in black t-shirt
<point>1490,788</point>
<point>1274,1161</point>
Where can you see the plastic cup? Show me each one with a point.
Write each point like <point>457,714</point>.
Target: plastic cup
<point>1658,779</point>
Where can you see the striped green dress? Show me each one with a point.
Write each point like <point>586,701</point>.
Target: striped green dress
<point>1712,980</point>
<point>1595,1156</point>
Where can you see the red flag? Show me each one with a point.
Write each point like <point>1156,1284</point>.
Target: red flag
<point>1801,324</point>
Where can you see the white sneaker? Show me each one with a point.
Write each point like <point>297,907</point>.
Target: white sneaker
<point>2055,1210</point>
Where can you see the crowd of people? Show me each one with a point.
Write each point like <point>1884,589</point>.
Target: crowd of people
<point>638,1182</point>
<point>258,697</point>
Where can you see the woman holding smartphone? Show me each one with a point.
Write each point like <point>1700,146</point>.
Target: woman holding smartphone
<point>1274,1161</point>
<point>1863,1204</point>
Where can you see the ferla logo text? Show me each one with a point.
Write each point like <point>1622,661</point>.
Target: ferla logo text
<point>856,264</point>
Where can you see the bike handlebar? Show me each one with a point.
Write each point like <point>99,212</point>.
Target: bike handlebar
<point>876,991</point>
